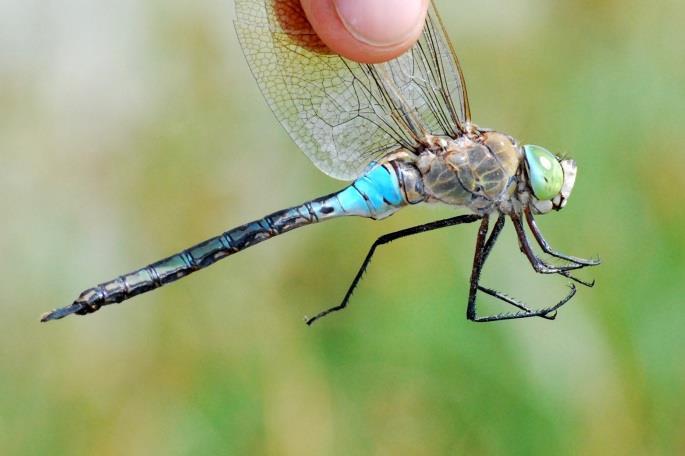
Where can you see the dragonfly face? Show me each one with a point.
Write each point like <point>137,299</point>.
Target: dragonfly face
<point>551,179</point>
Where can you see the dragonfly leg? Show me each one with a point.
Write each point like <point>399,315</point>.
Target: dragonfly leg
<point>538,264</point>
<point>544,313</point>
<point>513,302</point>
<point>385,239</point>
<point>585,283</point>
<point>544,245</point>
<point>490,243</point>
<point>483,249</point>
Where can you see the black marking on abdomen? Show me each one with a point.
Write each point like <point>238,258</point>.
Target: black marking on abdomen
<point>197,257</point>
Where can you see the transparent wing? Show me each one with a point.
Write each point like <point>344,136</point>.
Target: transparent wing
<point>343,114</point>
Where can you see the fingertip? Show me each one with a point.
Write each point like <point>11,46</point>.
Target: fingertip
<point>367,31</point>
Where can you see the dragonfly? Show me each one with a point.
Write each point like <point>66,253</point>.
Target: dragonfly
<point>401,133</point>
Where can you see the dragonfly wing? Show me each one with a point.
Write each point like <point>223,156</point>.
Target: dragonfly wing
<point>343,114</point>
<point>438,74</point>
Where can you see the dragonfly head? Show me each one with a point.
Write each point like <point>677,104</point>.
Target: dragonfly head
<point>550,178</point>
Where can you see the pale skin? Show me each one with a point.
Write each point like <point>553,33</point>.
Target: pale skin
<point>367,31</point>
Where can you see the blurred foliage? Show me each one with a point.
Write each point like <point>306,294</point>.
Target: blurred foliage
<point>132,129</point>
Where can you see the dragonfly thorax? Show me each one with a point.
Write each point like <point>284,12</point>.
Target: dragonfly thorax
<point>480,172</point>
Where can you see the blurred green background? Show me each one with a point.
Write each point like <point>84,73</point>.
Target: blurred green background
<point>130,130</point>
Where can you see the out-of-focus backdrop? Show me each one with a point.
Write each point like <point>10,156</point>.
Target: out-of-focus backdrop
<point>132,129</point>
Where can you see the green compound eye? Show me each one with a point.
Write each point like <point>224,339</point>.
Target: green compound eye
<point>544,171</point>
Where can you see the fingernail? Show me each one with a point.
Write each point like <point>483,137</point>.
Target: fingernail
<point>381,23</point>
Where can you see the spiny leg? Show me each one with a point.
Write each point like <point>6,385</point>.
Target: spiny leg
<point>577,280</point>
<point>496,230</point>
<point>511,301</point>
<point>544,313</point>
<point>385,239</point>
<point>483,249</point>
<point>489,244</point>
<point>478,259</point>
<point>538,264</point>
<point>544,245</point>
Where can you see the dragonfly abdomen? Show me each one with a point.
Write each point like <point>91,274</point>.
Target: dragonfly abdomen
<point>200,256</point>
<point>377,194</point>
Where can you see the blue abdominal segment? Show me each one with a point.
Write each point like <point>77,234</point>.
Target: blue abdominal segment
<point>377,194</point>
